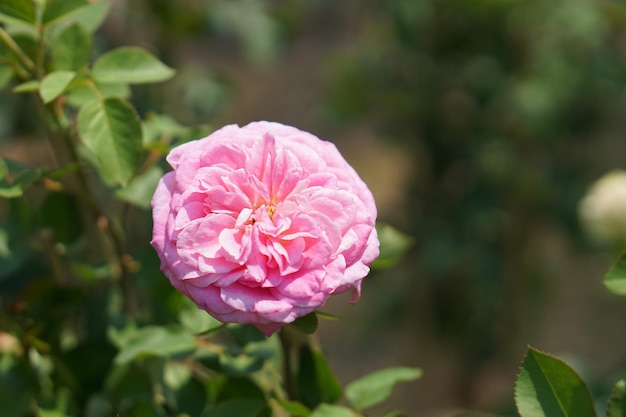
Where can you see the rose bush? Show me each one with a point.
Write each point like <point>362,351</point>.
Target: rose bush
<point>261,224</point>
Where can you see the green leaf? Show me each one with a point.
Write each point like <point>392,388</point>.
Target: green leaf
<point>56,9</point>
<point>15,178</point>
<point>90,17</point>
<point>72,48</point>
<point>615,279</point>
<point>315,380</point>
<point>6,73</point>
<point>197,320</point>
<point>19,9</point>
<point>80,96</point>
<point>294,408</point>
<point>158,128</point>
<point>393,246</point>
<point>240,407</point>
<point>140,190</point>
<point>548,387</point>
<point>156,341</point>
<point>400,414</point>
<point>376,387</point>
<point>130,65</point>
<point>54,84</point>
<point>327,410</point>
<point>306,324</point>
<point>112,131</point>
<point>617,402</point>
<point>27,87</point>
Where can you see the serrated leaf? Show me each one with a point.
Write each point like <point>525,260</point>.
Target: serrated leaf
<point>617,402</point>
<point>54,84</point>
<point>130,65</point>
<point>19,9</point>
<point>27,87</point>
<point>316,382</point>
<point>376,387</point>
<point>156,341</point>
<point>56,9</point>
<point>80,96</point>
<point>615,279</point>
<point>112,131</point>
<point>306,324</point>
<point>141,189</point>
<point>328,410</point>
<point>240,407</point>
<point>548,387</point>
<point>393,246</point>
<point>72,48</point>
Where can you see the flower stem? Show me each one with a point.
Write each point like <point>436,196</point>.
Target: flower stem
<point>26,61</point>
<point>287,346</point>
<point>120,260</point>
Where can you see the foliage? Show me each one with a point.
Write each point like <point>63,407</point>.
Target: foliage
<point>88,325</point>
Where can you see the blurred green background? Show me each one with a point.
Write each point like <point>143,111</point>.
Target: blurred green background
<point>478,125</point>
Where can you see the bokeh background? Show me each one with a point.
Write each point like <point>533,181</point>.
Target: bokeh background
<point>478,124</point>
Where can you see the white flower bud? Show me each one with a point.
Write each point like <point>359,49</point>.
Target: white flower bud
<point>603,210</point>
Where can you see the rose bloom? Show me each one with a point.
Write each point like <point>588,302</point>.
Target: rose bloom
<point>261,224</point>
<point>603,209</point>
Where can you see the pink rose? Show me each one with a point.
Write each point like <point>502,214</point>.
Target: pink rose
<point>261,224</point>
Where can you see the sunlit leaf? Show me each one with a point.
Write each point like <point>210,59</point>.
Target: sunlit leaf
<point>393,246</point>
<point>328,410</point>
<point>54,84</point>
<point>197,320</point>
<point>130,65</point>
<point>548,387</point>
<point>27,87</point>
<point>401,414</point>
<point>112,131</point>
<point>617,402</point>
<point>615,279</point>
<point>161,127</point>
<point>376,387</point>
<point>72,48</point>
<point>294,408</point>
<point>80,96</point>
<point>140,190</point>
<point>156,341</point>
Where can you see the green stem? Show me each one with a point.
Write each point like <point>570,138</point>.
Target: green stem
<point>287,348</point>
<point>121,260</point>
<point>26,61</point>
